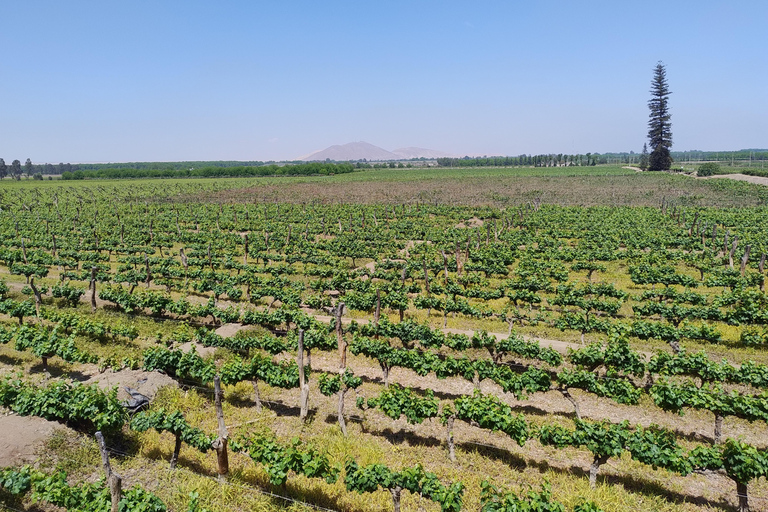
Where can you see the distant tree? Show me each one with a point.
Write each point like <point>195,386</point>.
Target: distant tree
<point>3,169</point>
<point>16,169</point>
<point>643,164</point>
<point>28,168</point>
<point>659,124</point>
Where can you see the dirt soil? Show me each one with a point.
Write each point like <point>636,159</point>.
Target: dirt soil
<point>229,330</point>
<point>474,222</point>
<point>22,437</point>
<point>201,350</point>
<point>146,383</point>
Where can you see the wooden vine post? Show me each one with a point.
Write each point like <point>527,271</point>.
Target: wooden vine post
<point>338,312</point>
<point>445,268</point>
<point>38,297</point>
<point>185,265</point>
<point>113,479</point>
<point>745,259</point>
<point>342,363</point>
<point>303,384</point>
<point>149,274</point>
<point>733,250</point>
<point>220,444</point>
<point>93,289</point>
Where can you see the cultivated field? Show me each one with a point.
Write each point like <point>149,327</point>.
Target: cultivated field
<point>590,338</point>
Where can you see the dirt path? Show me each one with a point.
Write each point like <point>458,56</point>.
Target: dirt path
<point>759,180</point>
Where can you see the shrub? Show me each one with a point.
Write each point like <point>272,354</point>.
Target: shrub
<point>752,337</point>
<point>708,169</point>
<point>69,293</point>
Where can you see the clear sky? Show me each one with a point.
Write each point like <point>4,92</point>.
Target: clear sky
<point>99,81</point>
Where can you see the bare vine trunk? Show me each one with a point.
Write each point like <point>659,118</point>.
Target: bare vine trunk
<point>396,497</point>
<point>598,461</point>
<point>567,396</point>
<point>340,410</point>
<point>220,444</point>
<point>718,428</point>
<point>93,289</point>
<point>449,438</point>
<point>176,450</point>
<point>741,490</point>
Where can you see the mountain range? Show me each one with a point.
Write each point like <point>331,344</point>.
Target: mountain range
<point>364,151</point>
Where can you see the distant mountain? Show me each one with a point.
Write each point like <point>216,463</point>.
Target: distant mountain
<point>412,152</point>
<point>365,151</point>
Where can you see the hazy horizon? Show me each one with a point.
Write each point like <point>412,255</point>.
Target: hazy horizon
<point>193,81</point>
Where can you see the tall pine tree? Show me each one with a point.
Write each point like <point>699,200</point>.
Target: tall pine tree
<point>659,124</point>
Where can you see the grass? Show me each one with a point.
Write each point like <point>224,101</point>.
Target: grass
<point>612,186</point>
<point>500,187</point>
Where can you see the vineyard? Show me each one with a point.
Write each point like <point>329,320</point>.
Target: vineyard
<point>510,355</point>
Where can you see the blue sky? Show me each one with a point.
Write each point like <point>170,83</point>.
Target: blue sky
<point>97,81</point>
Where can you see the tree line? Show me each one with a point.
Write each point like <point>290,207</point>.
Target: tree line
<point>544,160</point>
<point>305,169</point>
<point>15,170</point>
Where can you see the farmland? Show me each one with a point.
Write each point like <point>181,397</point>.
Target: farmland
<point>590,337</point>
